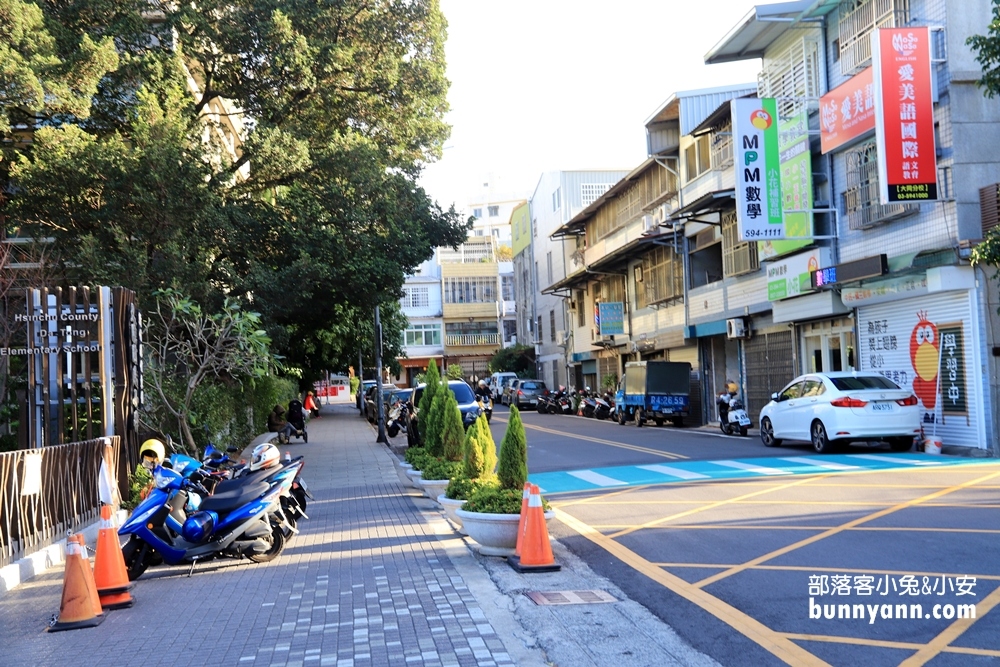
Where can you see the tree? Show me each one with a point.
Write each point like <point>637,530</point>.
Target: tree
<point>454,372</point>
<point>512,468</point>
<point>489,450</point>
<point>518,359</point>
<point>452,431</point>
<point>987,48</point>
<point>188,348</point>
<point>432,426</point>
<point>472,453</point>
<point>432,386</point>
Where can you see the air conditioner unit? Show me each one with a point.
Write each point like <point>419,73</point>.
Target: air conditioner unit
<point>649,223</point>
<point>737,327</point>
<point>560,336</point>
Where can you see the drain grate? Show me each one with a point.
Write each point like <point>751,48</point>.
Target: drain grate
<point>571,597</point>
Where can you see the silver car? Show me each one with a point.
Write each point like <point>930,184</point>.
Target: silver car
<point>525,392</point>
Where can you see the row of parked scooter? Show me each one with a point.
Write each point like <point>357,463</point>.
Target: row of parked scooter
<point>216,507</point>
<point>586,402</point>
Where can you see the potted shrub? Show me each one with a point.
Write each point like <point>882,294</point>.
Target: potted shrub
<point>493,511</point>
<point>477,469</point>
<point>448,462</point>
<point>417,457</point>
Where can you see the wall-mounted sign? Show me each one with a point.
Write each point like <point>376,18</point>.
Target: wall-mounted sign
<point>796,185</point>
<point>758,169</point>
<point>904,121</point>
<point>859,269</point>
<point>889,289</point>
<point>791,276</point>
<point>847,112</point>
<point>611,318</point>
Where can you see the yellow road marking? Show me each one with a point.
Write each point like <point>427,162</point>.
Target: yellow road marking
<point>881,643</point>
<point>952,632</point>
<point>612,443</point>
<point>834,531</point>
<point>764,526</point>
<point>718,503</point>
<point>842,570</point>
<point>748,626</point>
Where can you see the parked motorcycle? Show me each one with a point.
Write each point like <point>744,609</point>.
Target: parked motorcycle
<point>588,402</point>
<point>733,416</point>
<point>604,406</point>
<point>397,419</point>
<point>566,404</point>
<point>545,401</point>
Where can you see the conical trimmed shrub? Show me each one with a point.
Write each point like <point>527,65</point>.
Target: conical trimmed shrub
<point>452,431</point>
<point>489,449</point>
<point>512,469</point>
<point>472,453</point>
<point>433,382</point>
<point>431,426</point>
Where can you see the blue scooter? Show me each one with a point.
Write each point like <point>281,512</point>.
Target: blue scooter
<point>240,520</point>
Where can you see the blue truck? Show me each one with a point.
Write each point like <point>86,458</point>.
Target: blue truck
<point>654,390</point>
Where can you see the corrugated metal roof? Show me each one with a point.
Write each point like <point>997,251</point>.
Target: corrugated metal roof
<point>761,26</point>
<point>696,108</point>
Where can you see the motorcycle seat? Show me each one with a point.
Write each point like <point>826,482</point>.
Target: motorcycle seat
<point>232,498</point>
<point>228,485</point>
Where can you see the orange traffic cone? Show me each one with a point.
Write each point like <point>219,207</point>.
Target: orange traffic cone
<point>524,517</point>
<point>536,552</point>
<point>110,574</point>
<point>79,596</point>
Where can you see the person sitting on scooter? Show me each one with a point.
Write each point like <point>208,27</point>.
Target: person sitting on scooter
<point>725,397</point>
<point>483,393</point>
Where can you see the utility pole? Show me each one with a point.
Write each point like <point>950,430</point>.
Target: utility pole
<point>379,407</point>
<point>361,383</point>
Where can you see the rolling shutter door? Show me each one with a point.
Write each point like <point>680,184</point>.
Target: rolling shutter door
<point>770,366</point>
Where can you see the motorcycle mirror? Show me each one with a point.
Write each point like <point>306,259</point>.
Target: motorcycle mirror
<point>232,449</point>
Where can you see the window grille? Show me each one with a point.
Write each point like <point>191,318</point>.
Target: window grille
<point>794,73</point>
<point>470,290</point>
<point>507,287</point>
<point>662,277</point>
<point>862,206</point>
<point>552,326</point>
<point>722,146</point>
<point>612,290</point>
<point>589,192</point>
<point>737,257</point>
<point>494,211</point>
<point>858,19</point>
<point>416,297</point>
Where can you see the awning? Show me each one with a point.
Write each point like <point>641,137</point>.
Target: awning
<point>716,117</point>
<point>713,202</point>
<point>761,27</point>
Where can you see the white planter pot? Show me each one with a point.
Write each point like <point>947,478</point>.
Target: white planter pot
<point>496,534</point>
<point>404,465</point>
<point>414,476</point>
<point>450,506</point>
<point>434,487</point>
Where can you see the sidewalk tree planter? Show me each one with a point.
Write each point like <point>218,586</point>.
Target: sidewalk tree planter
<point>449,505</point>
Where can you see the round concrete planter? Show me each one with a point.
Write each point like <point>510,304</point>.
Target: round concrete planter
<point>450,507</point>
<point>434,487</point>
<point>496,534</point>
<point>414,477</point>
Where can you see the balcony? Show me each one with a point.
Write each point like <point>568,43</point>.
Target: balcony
<point>857,25</point>
<point>472,340</point>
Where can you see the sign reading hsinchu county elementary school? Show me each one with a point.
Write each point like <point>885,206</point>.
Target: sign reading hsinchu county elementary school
<point>46,339</point>
<point>758,169</point>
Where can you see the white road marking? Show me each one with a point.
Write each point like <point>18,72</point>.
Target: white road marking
<point>890,459</point>
<point>674,472</point>
<point>828,465</point>
<point>761,470</point>
<point>597,478</point>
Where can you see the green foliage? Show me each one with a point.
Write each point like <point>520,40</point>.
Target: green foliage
<point>494,499</point>
<point>461,487</point>
<point>454,372</point>
<point>610,381</point>
<point>433,426</point>
<point>433,380</point>
<point>137,481</point>
<point>417,457</point>
<point>987,48</point>
<point>518,359</point>
<point>489,449</point>
<point>437,468</point>
<point>452,430</point>
<point>512,468</point>
<point>473,465</point>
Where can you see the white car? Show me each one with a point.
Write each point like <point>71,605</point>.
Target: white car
<point>828,409</point>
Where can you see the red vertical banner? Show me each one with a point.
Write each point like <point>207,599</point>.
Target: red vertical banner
<point>904,119</point>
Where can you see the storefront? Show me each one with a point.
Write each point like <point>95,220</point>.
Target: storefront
<point>922,331</point>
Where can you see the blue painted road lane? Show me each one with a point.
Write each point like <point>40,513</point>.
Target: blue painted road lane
<point>687,471</point>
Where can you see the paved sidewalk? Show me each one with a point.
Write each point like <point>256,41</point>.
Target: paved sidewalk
<point>376,576</point>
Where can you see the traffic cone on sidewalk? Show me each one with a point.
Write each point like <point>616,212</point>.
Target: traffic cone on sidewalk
<point>536,551</point>
<point>79,596</point>
<point>110,574</point>
<point>524,518</point>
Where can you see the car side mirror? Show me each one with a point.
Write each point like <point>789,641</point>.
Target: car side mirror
<point>775,397</point>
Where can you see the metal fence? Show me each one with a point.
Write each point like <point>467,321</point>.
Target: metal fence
<point>44,493</point>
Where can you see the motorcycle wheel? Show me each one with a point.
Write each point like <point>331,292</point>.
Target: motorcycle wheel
<point>743,430</point>
<point>277,546</point>
<point>137,555</point>
<point>393,431</point>
<point>725,428</point>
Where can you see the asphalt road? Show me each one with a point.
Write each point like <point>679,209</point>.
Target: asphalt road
<point>741,568</point>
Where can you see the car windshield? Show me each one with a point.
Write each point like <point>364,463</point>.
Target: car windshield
<point>858,382</point>
<point>462,393</point>
<point>533,385</point>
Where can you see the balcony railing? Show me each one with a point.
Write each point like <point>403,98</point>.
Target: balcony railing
<point>470,340</point>
<point>857,25</point>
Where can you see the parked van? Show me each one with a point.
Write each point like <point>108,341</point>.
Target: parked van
<point>496,384</point>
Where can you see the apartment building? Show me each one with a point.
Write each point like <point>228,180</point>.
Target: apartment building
<point>423,338</point>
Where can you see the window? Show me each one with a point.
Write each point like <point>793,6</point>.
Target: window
<point>552,326</point>
<point>494,211</point>
<point>509,330</point>
<point>470,290</point>
<point>422,334</point>
<point>611,290</point>
<point>470,328</point>
<point>858,19</point>
<point>538,331</point>
<point>662,274</point>
<point>556,199</point>
<point>737,257</point>
<point>589,192</point>
<point>415,297</point>
<point>507,288</point>
<point>862,206</point>
<point>477,212</point>
<point>534,228</point>
<point>548,266</point>
<point>581,311</point>
<point>555,373</point>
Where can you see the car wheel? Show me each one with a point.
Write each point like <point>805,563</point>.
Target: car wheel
<point>767,433</point>
<point>620,418</point>
<point>900,444</point>
<point>820,442</point>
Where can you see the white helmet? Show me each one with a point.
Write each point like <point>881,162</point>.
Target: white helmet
<point>264,456</point>
<point>482,383</point>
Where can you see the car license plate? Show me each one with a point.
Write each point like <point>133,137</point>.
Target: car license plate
<point>882,407</point>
